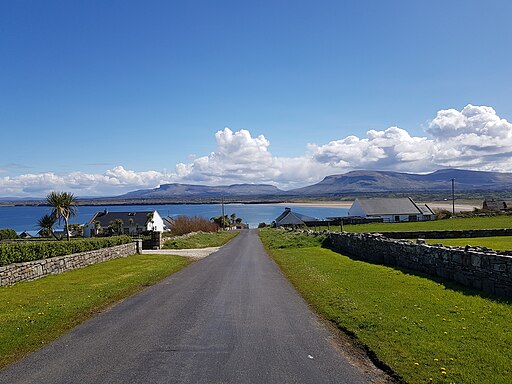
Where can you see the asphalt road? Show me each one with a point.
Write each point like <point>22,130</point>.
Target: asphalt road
<point>229,318</point>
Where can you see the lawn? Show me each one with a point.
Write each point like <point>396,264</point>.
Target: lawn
<point>200,240</point>
<point>503,243</point>
<point>424,330</point>
<point>486,222</point>
<point>34,313</point>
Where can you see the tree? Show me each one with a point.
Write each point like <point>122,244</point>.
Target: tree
<point>221,221</point>
<point>149,219</point>
<point>46,224</point>
<point>116,226</point>
<point>64,207</point>
<point>97,227</point>
<point>233,217</point>
<point>8,234</point>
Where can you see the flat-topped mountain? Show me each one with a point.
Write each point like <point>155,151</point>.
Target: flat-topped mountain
<point>349,183</point>
<point>192,190</point>
<point>388,181</point>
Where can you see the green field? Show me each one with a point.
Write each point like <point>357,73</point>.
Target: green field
<point>503,243</point>
<point>486,222</point>
<point>35,313</point>
<point>424,330</point>
<point>200,240</point>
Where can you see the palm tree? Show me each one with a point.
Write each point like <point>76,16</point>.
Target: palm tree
<point>64,207</point>
<point>46,224</point>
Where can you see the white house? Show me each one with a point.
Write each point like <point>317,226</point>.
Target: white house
<point>129,223</point>
<point>391,210</point>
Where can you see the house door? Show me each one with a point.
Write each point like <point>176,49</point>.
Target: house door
<point>397,219</point>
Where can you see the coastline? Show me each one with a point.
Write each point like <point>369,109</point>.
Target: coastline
<point>459,207</point>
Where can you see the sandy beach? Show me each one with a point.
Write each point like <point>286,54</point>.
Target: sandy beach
<point>459,207</point>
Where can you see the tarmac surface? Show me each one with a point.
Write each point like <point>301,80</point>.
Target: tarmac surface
<point>230,317</point>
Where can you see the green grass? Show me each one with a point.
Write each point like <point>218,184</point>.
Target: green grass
<point>200,240</point>
<point>35,313</point>
<point>503,243</point>
<point>491,222</point>
<point>417,326</point>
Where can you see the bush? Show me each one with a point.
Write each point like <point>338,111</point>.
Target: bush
<point>262,225</point>
<point>8,234</point>
<point>18,252</point>
<point>442,214</point>
<point>187,224</point>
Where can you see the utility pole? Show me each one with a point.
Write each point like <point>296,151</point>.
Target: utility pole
<point>222,209</point>
<point>453,197</point>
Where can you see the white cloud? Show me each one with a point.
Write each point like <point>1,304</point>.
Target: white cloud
<point>473,138</point>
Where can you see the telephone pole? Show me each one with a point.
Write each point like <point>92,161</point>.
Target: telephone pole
<point>453,197</point>
<point>222,209</point>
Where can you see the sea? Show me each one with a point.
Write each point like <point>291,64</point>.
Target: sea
<point>24,218</point>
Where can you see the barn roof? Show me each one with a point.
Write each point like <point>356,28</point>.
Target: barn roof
<point>288,217</point>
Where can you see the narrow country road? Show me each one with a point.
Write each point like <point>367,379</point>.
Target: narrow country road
<point>229,318</point>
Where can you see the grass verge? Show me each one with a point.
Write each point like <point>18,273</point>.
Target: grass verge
<point>502,243</point>
<point>200,240</point>
<point>37,312</point>
<point>424,330</point>
<point>488,222</point>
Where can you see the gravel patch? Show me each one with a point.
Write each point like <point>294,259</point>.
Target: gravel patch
<point>196,253</point>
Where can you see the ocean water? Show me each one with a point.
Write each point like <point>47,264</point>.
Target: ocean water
<point>25,218</point>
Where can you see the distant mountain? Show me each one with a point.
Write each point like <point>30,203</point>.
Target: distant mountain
<point>388,181</point>
<point>190,190</point>
<point>351,183</point>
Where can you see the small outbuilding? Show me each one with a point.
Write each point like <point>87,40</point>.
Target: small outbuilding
<point>294,219</point>
<point>497,205</point>
<point>391,210</point>
<point>25,235</point>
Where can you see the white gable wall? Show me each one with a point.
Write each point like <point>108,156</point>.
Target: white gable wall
<point>157,224</point>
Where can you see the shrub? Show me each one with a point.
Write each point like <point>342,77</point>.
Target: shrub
<point>8,234</point>
<point>442,214</point>
<point>18,252</point>
<point>187,224</point>
<point>262,225</point>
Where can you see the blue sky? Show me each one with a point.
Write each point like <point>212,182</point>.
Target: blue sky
<point>102,97</point>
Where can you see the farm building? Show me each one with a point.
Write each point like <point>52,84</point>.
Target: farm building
<point>126,223</point>
<point>391,210</point>
<point>294,219</point>
<point>497,205</point>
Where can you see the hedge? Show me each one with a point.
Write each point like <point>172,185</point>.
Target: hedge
<point>18,252</point>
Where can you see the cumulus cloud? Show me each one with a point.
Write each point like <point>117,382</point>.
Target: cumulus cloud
<point>473,138</point>
<point>382,149</point>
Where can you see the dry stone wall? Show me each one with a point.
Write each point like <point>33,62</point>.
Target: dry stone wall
<point>475,267</point>
<point>31,270</point>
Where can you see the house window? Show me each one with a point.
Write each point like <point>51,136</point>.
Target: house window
<point>413,218</point>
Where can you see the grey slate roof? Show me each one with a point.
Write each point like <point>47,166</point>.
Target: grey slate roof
<point>394,206</point>
<point>293,218</point>
<point>105,217</point>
